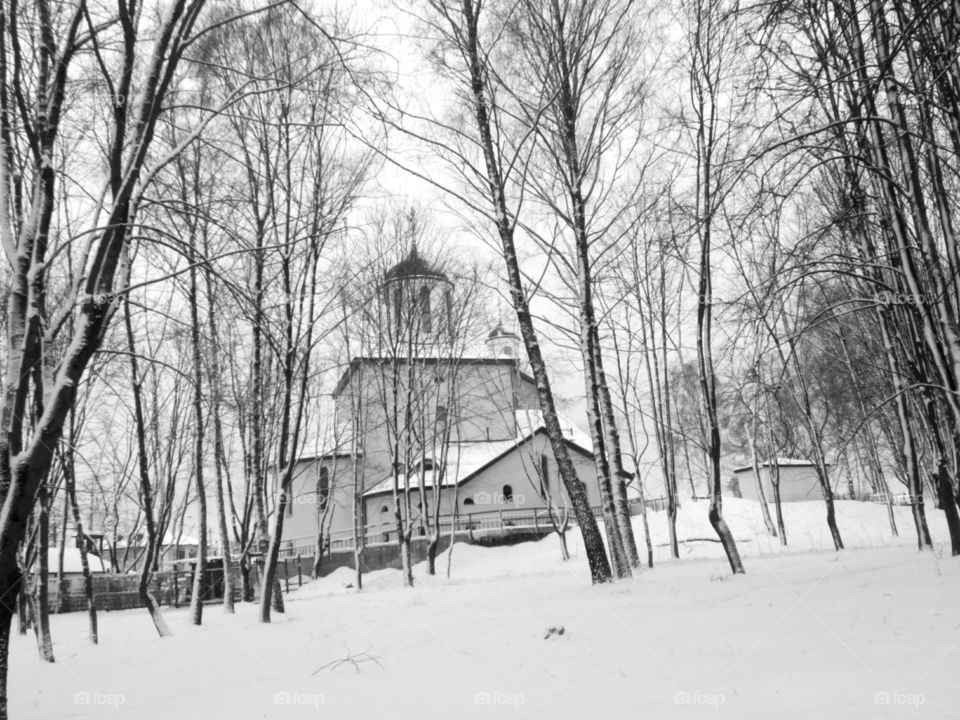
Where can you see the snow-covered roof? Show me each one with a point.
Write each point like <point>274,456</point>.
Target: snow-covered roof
<point>462,461</point>
<point>72,562</point>
<point>466,459</point>
<point>781,462</point>
<point>529,421</point>
<point>169,539</point>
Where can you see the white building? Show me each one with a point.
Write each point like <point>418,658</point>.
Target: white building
<point>469,427</point>
<point>798,481</point>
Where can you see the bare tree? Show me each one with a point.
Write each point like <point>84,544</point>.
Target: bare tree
<point>462,30</point>
<point>41,56</point>
<point>712,41</point>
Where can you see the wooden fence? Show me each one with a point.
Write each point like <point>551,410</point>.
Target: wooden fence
<point>172,588</point>
<point>114,591</point>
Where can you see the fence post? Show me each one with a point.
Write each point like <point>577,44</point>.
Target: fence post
<point>536,521</point>
<point>500,514</point>
<point>176,588</point>
<point>286,576</point>
<point>299,570</point>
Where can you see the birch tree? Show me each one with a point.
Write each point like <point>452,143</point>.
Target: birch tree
<point>467,34</point>
<point>44,51</point>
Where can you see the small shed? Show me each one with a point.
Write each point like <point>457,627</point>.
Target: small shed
<point>798,481</point>
<point>73,564</point>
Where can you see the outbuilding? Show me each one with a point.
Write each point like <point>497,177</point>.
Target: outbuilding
<point>798,480</point>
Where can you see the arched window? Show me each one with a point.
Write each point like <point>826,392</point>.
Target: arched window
<point>468,501</point>
<point>398,307</point>
<point>385,508</point>
<point>425,319</point>
<point>544,477</point>
<point>507,493</point>
<point>448,311</point>
<point>441,416</point>
<point>323,486</point>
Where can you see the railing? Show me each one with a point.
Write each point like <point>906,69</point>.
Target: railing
<point>302,546</point>
<point>654,504</point>
<point>896,498</point>
<point>486,522</point>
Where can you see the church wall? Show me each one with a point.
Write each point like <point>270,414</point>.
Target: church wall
<point>488,394</point>
<point>303,519</point>
<point>517,469</point>
<point>485,397</point>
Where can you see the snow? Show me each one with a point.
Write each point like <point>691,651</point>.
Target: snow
<point>529,421</point>
<point>807,633</point>
<point>72,562</point>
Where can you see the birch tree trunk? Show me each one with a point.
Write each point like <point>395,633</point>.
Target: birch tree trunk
<point>200,570</point>
<point>42,587</point>
<point>70,489</point>
<point>215,383</point>
<point>761,493</point>
<point>464,27</point>
<point>145,487</point>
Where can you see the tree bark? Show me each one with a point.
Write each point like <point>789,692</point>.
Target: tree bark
<point>948,503</point>
<point>70,491</point>
<point>200,569</point>
<point>145,488</point>
<point>761,493</point>
<point>42,624</point>
<point>215,391</point>
<point>6,619</point>
<point>612,438</point>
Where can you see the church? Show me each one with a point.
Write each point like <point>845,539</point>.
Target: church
<point>423,424</point>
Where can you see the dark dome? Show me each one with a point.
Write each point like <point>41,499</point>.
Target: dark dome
<point>413,266</point>
<point>499,332</point>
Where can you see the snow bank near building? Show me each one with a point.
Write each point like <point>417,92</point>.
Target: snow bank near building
<point>862,525</point>
<point>865,633</point>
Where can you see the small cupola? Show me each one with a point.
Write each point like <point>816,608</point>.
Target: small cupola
<point>417,297</point>
<point>501,343</point>
<point>414,267</point>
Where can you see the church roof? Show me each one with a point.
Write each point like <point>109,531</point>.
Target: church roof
<point>499,332</point>
<point>781,462</point>
<point>72,562</point>
<point>467,460</point>
<point>413,266</point>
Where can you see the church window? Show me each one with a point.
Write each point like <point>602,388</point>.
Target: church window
<point>507,493</point>
<point>425,319</point>
<point>544,477</point>
<point>323,486</point>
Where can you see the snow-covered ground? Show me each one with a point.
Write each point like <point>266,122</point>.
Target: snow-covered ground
<point>871,632</point>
